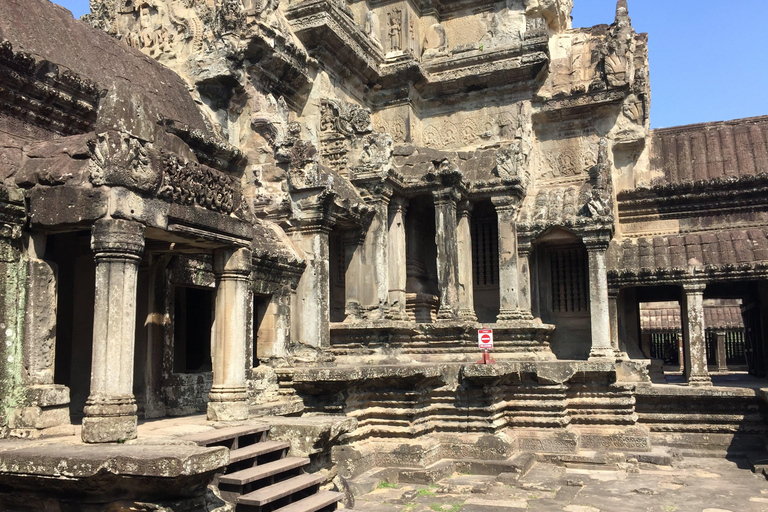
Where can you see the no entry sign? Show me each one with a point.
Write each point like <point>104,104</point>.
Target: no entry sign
<point>485,339</point>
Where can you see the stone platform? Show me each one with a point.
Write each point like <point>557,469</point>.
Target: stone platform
<point>388,342</point>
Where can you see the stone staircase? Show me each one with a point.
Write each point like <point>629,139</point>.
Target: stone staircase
<point>261,477</point>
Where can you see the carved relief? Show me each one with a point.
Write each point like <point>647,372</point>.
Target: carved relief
<point>568,158</point>
<point>117,159</point>
<point>189,183</point>
<point>395,30</point>
<point>340,121</point>
<point>435,42</point>
<point>372,27</point>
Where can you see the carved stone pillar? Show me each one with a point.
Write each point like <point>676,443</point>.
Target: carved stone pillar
<point>228,396</point>
<point>374,285</point>
<point>598,300</point>
<point>110,413</point>
<point>466,284</point>
<point>524,278</point>
<point>447,253</point>
<point>310,316</point>
<point>694,335</point>
<point>722,364</point>
<point>613,311</point>
<point>353,248</point>
<point>509,299</point>
<point>397,259</point>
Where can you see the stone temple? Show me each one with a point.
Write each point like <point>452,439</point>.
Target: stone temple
<point>262,236</point>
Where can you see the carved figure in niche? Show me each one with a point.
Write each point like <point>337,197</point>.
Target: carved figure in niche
<point>411,35</point>
<point>601,196</point>
<point>435,42</point>
<point>395,30</point>
<point>372,27</point>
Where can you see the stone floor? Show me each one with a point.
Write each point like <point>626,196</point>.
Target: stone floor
<point>692,485</point>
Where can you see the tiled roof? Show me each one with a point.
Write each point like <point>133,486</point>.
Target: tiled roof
<point>724,316</point>
<point>712,249</point>
<point>710,151</point>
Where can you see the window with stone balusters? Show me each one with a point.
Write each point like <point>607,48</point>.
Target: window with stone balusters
<point>485,251</point>
<point>570,280</point>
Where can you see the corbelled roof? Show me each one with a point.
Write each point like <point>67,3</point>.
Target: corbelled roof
<point>722,314</point>
<point>710,151</point>
<point>145,88</point>
<point>712,249</point>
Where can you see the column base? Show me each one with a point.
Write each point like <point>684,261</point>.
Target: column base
<point>397,314</point>
<point>228,404</point>
<point>467,315</point>
<point>446,315</point>
<point>620,355</point>
<point>228,411</point>
<point>511,315</point>
<point>109,421</point>
<point>700,381</point>
<point>602,354</point>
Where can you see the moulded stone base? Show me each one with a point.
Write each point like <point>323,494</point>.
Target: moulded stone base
<point>606,438</point>
<point>228,411</point>
<point>599,354</point>
<point>547,440</point>
<point>108,429</point>
<point>700,381</point>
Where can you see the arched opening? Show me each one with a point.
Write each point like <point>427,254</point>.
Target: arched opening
<point>561,270</point>
<point>422,294</point>
<point>485,261</point>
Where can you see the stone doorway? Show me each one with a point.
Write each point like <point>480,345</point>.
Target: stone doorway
<point>76,283</point>
<point>560,271</point>
<point>422,292</point>
<point>485,262</point>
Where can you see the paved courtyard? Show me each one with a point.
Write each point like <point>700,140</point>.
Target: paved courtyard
<point>692,485</point>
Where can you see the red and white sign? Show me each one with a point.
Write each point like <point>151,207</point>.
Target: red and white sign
<point>485,339</point>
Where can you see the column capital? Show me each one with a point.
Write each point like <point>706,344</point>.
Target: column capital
<point>232,263</point>
<point>613,293</point>
<point>694,286</point>
<point>398,204</point>
<point>465,208</point>
<point>505,204</point>
<point>445,196</point>
<point>598,245</point>
<point>117,236</point>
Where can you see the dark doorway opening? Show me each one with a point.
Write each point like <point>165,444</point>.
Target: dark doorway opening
<point>485,262</point>
<point>76,284</point>
<point>193,319</point>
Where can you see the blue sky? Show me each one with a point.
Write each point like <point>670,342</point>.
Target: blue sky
<point>708,57</point>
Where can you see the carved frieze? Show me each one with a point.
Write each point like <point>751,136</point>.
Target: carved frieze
<point>192,184</point>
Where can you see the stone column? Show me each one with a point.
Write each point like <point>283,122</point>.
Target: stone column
<point>613,311</point>
<point>694,335</point>
<point>310,316</point>
<point>447,253</point>
<point>110,413</point>
<point>397,259</point>
<point>353,248</point>
<point>466,284</point>
<point>228,396</point>
<point>598,300</point>
<point>524,279</point>
<point>374,282</point>
<point>509,300</point>
<point>722,364</point>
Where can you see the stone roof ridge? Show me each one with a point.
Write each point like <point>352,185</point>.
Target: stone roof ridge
<point>710,151</point>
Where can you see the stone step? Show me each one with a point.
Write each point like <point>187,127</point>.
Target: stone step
<point>314,503</point>
<point>274,492</point>
<point>257,450</point>
<point>222,435</point>
<point>262,471</point>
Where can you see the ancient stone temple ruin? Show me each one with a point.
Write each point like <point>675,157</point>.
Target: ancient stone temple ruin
<point>297,216</point>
